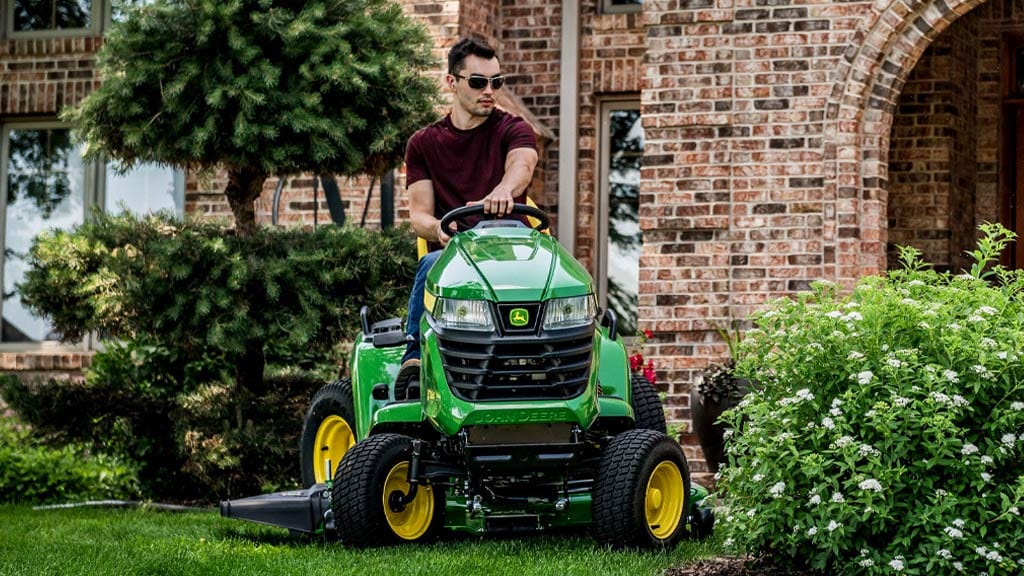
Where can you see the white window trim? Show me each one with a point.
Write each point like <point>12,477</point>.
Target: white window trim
<point>94,196</point>
<point>99,22</point>
<point>604,106</point>
<point>88,200</point>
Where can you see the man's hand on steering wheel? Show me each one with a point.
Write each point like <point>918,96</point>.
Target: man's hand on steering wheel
<point>499,202</point>
<point>444,236</point>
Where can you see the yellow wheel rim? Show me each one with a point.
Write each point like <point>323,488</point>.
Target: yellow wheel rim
<point>664,499</point>
<point>412,522</point>
<point>333,438</point>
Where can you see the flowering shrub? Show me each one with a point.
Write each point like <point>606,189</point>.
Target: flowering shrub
<point>636,359</point>
<point>886,431</point>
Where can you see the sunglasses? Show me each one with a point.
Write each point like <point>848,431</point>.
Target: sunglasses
<point>479,81</point>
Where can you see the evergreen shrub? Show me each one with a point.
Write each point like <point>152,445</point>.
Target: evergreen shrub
<point>184,298</point>
<point>886,430</point>
<point>33,473</point>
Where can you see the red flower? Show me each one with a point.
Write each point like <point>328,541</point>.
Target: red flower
<point>649,373</point>
<point>636,362</point>
<point>648,334</point>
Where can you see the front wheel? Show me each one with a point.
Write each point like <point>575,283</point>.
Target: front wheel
<point>372,477</point>
<point>641,492</point>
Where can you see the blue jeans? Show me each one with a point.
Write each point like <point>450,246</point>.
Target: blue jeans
<point>416,308</point>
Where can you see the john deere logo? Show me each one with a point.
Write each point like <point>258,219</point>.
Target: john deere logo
<point>519,317</point>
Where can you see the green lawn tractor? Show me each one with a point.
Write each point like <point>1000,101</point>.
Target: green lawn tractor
<point>525,416</point>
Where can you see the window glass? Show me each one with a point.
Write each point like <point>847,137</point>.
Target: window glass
<point>48,185</point>
<point>35,15</point>
<point>624,147</point>
<point>45,190</point>
<point>145,188</point>
<point>613,6</point>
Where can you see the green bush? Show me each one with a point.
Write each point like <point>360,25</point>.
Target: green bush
<point>185,395</point>
<point>886,431</point>
<point>234,444</point>
<point>194,286</point>
<point>200,438</point>
<point>32,473</point>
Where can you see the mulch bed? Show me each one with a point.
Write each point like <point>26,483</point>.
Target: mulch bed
<point>735,566</point>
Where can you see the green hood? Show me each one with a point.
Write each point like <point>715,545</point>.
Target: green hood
<point>507,265</point>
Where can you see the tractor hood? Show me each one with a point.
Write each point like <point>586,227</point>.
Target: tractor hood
<point>507,264</point>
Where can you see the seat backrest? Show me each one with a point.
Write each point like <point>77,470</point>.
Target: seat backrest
<point>421,243</point>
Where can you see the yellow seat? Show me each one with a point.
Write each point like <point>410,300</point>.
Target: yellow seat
<point>421,243</point>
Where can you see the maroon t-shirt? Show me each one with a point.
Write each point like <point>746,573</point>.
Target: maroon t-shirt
<point>465,165</point>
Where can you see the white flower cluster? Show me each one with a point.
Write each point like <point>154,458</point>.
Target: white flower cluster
<point>827,423</point>
<point>863,378</point>
<point>897,563</point>
<point>870,484</point>
<point>777,489</point>
<point>801,396</point>
<point>956,530</point>
<point>1017,406</point>
<point>844,441</point>
<point>983,372</point>
<point>838,497</point>
<point>988,343</point>
<point>869,450</point>
<point>952,376</point>
<point>969,449</point>
<point>854,355</point>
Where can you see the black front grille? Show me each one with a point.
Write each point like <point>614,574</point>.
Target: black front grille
<point>540,368</point>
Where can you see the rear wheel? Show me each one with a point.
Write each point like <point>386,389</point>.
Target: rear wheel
<point>641,493</point>
<point>328,431</point>
<point>647,409</point>
<point>370,480</point>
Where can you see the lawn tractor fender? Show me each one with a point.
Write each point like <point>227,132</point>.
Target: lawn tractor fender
<point>613,367</point>
<point>398,413</point>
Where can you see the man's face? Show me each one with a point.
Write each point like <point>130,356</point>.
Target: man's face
<point>476,101</point>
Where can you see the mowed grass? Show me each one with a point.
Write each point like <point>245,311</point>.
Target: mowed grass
<point>99,541</point>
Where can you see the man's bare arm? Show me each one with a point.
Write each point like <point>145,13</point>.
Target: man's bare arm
<point>421,212</point>
<point>519,165</point>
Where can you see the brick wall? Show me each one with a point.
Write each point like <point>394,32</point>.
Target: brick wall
<point>40,77</point>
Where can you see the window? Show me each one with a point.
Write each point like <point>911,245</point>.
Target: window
<point>53,17</point>
<point>619,6</point>
<point>619,239</point>
<point>45,184</point>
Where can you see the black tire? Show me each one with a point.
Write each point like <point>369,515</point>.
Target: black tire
<point>324,433</point>
<point>637,499</point>
<point>648,413</point>
<point>358,496</point>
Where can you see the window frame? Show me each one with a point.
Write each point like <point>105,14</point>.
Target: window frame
<point>99,22</point>
<point>608,8</point>
<point>604,107</point>
<point>94,196</point>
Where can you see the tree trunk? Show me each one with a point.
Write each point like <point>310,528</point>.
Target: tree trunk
<point>249,369</point>
<point>244,186</point>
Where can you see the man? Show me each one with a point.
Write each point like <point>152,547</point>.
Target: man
<point>474,155</point>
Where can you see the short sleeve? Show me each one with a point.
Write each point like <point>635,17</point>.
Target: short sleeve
<point>415,164</point>
<point>519,135</point>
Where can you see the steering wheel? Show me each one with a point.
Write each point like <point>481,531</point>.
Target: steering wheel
<point>460,214</point>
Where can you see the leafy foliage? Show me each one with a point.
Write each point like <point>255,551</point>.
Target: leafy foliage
<point>193,287</point>
<point>260,87</point>
<point>31,472</point>
<point>886,432</point>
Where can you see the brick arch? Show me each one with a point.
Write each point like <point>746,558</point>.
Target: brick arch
<point>858,124</point>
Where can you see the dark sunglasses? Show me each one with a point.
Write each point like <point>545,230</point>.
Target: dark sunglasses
<point>479,81</point>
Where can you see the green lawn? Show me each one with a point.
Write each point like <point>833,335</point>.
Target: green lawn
<point>97,541</point>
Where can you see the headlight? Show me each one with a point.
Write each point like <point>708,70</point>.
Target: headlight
<point>464,314</point>
<point>570,312</point>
